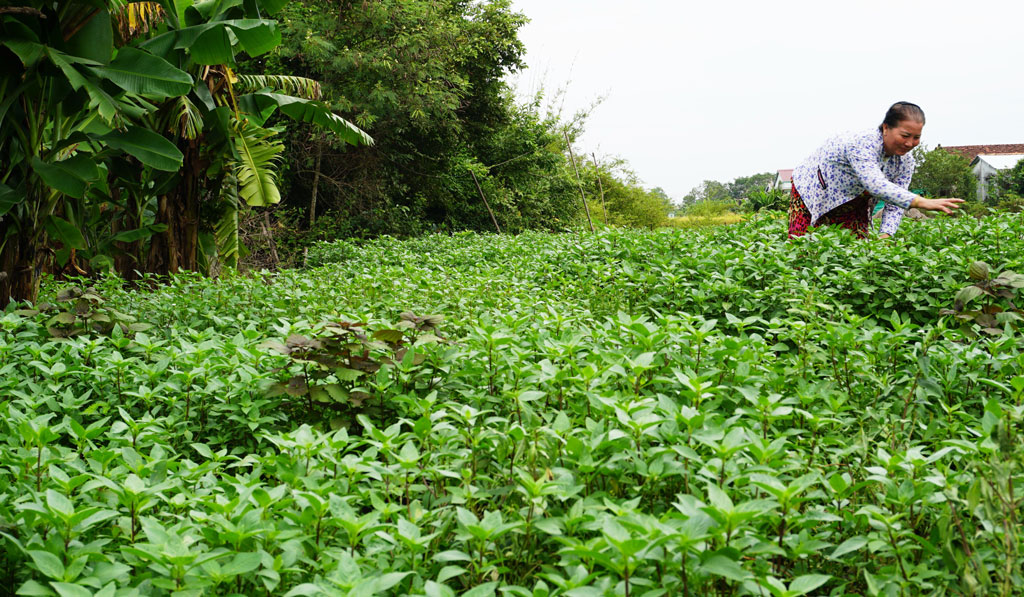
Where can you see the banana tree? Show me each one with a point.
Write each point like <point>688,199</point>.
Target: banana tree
<point>220,126</point>
<point>69,102</point>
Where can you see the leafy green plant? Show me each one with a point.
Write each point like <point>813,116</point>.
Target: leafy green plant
<point>993,296</point>
<point>83,311</point>
<point>711,412</point>
<point>342,368</point>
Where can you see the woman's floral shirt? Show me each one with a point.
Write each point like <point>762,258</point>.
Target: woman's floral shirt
<point>849,164</point>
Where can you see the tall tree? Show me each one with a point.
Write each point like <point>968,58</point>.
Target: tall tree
<point>709,190</point>
<point>427,79</point>
<point>941,173</point>
<point>744,187</point>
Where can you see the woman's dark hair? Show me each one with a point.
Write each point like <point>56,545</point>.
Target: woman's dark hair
<point>901,111</point>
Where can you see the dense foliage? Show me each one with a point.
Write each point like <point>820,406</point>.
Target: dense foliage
<point>682,412</point>
<point>155,136</point>
<point>747,193</point>
<point>941,173</point>
<point>125,134</point>
<point>1007,188</point>
<point>428,80</point>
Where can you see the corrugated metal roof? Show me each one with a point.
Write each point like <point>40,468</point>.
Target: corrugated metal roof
<point>1002,161</point>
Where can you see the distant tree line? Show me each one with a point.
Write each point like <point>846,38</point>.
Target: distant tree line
<point>744,194</point>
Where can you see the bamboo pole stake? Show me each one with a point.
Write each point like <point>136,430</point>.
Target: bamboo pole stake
<point>486,204</point>
<point>579,181</point>
<point>316,180</point>
<point>600,187</point>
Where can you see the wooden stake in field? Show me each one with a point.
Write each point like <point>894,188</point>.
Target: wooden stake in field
<point>579,181</point>
<point>486,204</point>
<point>600,187</point>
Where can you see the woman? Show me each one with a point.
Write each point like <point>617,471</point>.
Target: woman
<point>844,179</point>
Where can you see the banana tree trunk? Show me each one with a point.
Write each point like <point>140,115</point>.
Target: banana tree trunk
<point>21,265</point>
<point>176,248</point>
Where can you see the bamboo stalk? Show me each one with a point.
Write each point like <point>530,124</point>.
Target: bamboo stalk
<point>600,187</point>
<point>579,181</point>
<point>486,204</point>
<point>316,180</point>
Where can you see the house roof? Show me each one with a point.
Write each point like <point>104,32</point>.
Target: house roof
<point>784,175</point>
<point>1002,161</point>
<point>972,151</point>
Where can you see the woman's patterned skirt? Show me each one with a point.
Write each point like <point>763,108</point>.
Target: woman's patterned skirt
<point>854,215</point>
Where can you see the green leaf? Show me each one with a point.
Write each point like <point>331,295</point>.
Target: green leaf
<point>808,582</point>
<point>311,111</point>
<point>258,156</point>
<point>31,588</point>
<point>304,590</point>
<point>69,590</point>
<point>226,243</point>
<point>242,563</point>
<point>966,295</point>
<point>386,581</point>
<point>8,198</point>
<point>484,590</point>
<point>144,74</point>
<point>130,236</point>
<point>851,544</point>
<point>725,567</point>
<point>346,374</point>
<point>149,147</point>
<point>336,392</point>
<point>47,563</point>
<point>95,40</point>
<point>65,318</point>
<point>203,450</point>
<point>70,176</point>
<point>28,52</point>
<point>718,498</point>
<point>59,503</point>
<point>65,232</point>
<point>614,531</point>
<point>452,555</point>
<point>389,336</point>
<point>211,46</point>
<point>273,6</point>
<point>255,36</point>
<point>450,572</point>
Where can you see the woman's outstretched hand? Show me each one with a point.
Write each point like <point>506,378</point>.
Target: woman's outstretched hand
<point>945,205</point>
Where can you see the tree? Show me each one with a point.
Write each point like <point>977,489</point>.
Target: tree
<point>220,126</point>
<point>1007,188</point>
<point>427,79</point>
<point>709,190</point>
<point>744,187</point>
<point>941,173</point>
<point>629,203</point>
<point>70,103</point>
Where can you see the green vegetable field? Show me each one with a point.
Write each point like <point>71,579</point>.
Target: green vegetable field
<point>684,412</point>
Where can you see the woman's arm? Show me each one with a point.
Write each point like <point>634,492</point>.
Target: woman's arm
<point>945,205</point>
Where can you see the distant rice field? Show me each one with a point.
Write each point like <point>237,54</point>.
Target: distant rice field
<point>703,221</point>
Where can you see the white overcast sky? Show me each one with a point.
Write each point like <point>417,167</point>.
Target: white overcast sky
<point>720,89</point>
